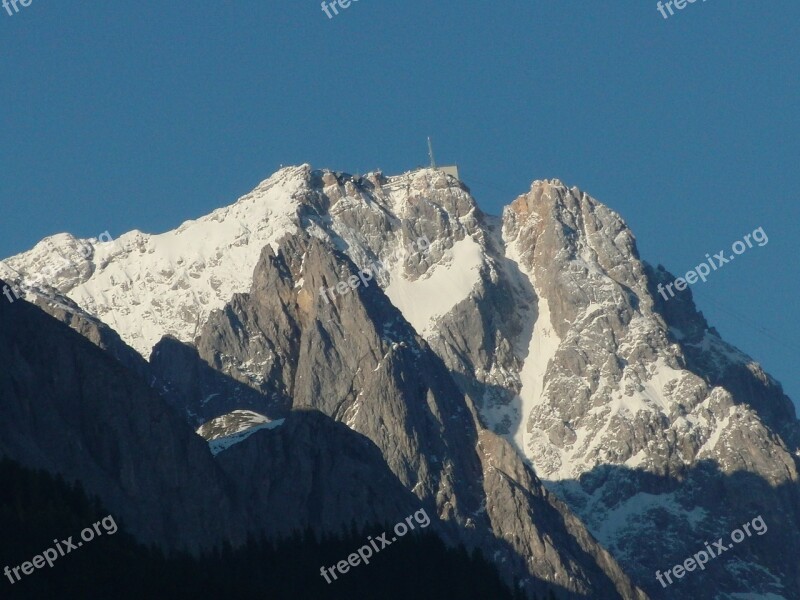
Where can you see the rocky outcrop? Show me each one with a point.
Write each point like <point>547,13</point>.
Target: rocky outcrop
<point>627,404</point>
<point>355,358</point>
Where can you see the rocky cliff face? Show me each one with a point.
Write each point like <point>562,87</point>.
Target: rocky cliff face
<point>501,346</point>
<point>356,359</point>
<point>655,431</point>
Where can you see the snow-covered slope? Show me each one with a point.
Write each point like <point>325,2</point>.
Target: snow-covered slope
<point>234,427</point>
<point>146,286</point>
<point>442,287</point>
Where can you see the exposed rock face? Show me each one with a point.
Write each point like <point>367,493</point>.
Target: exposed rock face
<point>358,360</point>
<point>655,431</point>
<point>543,327</point>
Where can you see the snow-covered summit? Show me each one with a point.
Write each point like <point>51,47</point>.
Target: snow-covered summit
<point>146,286</point>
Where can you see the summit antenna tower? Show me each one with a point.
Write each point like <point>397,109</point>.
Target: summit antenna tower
<point>430,153</point>
<point>451,170</point>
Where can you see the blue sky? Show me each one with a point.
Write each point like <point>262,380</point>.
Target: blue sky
<point>144,114</point>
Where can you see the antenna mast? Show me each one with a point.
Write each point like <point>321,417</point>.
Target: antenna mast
<point>430,153</point>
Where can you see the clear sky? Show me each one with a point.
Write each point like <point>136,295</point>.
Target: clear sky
<point>144,114</point>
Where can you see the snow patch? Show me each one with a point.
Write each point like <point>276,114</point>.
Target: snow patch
<point>234,427</point>
<point>543,346</point>
<point>442,287</point>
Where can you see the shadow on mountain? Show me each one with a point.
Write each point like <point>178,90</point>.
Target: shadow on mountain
<point>663,520</point>
<point>35,506</point>
<point>200,393</point>
<point>71,409</point>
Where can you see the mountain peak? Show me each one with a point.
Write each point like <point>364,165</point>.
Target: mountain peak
<point>358,295</point>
